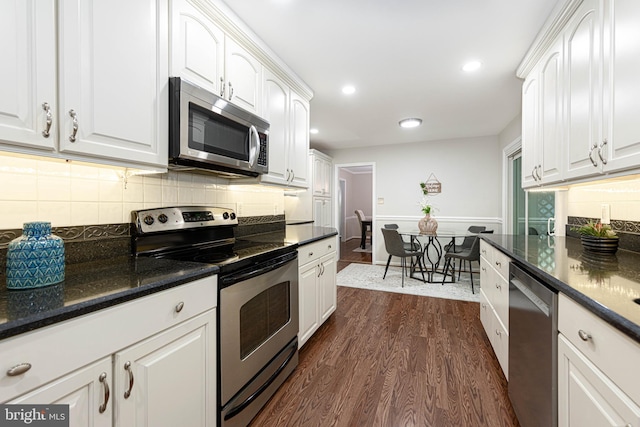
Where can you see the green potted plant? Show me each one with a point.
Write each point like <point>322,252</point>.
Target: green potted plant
<point>598,237</point>
<point>427,225</point>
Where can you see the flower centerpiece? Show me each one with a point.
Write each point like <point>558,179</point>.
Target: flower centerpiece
<point>428,224</point>
<point>598,237</point>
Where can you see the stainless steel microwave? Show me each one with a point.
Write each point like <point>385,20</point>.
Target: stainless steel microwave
<point>207,132</point>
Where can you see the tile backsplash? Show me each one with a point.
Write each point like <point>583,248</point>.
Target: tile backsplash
<point>622,196</point>
<point>71,193</point>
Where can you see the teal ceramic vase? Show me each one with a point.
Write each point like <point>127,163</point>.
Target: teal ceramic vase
<point>36,258</point>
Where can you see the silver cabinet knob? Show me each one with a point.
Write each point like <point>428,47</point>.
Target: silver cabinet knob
<point>584,336</point>
<point>179,307</point>
<point>18,369</point>
<point>48,121</point>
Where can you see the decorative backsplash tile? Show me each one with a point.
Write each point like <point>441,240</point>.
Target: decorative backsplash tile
<point>628,231</point>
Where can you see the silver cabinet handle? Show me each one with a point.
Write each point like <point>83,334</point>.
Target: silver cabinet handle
<point>74,116</point>
<point>538,169</point>
<point>293,176</point>
<point>18,369</point>
<point>330,246</point>
<point>103,380</point>
<point>49,119</point>
<point>222,87</point>
<point>602,158</point>
<point>319,271</point>
<point>127,367</point>
<point>310,253</point>
<point>498,332</point>
<point>593,162</point>
<point>534,173</point>
<point>484,269</point>
<point>179,307</point>
<point>498,286</point>
<point>230,91</point>
<point>498,263</point>
<point>484,306</point>
<point>584,336</point>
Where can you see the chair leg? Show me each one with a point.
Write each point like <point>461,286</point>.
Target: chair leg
<point>447,263</point>
<point>363,238</point>
<point>403,263</point>
<point>386,268</point>
<point>471,274</point>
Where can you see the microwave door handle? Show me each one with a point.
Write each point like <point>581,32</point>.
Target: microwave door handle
<point>254,143</point>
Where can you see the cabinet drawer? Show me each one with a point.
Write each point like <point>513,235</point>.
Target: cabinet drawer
<point>501,264</point>
<point>496,332</point>
<point>486,251</point>
<point>316,250</point>
<point>615,354</point>
<point>58,349</point>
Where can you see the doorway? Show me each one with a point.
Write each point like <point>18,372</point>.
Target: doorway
<point>355,190</point>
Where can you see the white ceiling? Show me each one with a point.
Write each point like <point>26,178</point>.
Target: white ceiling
<point>404,57</point>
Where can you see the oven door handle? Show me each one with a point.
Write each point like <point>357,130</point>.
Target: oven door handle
<point>237,409</point>
<point>260,269</point>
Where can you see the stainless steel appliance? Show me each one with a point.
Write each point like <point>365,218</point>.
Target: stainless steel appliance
<point>257,298</point>
<point>533,351</point>
<point>207,132</point>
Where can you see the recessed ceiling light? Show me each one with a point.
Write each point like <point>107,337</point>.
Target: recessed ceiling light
<point>471,66</point>
<point>313,131</point>
<point>410,123</point>
<point>348,90</point>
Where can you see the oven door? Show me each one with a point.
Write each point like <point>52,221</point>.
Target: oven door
<point>258,321</point>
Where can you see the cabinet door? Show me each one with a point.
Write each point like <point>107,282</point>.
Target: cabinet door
<point>327,285</point>
<point>113,68</point>
<point>27,74</point>
<point>587,397</point>
<point>197,47</point>
<point>243,73</point>
<point>583,99</point>
<point>321,176</point>
<point>86,391</point>
<point>530,120</point>
<point>550,144</point>
<point>276,112</point>
<point>308,317</point>
<point>171,377</point>
<point>299,146</point>
<point>622,92</point>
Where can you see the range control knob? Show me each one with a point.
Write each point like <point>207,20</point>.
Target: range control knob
<point>148,220</point>
<point>225,215</point>
<point>233,215</point>
<point>163,218</point>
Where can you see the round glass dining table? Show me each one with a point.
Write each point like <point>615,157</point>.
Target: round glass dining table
<point>432,248</point>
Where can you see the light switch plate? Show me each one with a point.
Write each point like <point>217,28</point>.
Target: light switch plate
<point>605,216</point>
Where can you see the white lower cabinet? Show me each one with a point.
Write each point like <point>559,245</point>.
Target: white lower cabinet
<point>494,301</point>
<point>147,362</point>
<point>597,371</point>
<point>317,285</point>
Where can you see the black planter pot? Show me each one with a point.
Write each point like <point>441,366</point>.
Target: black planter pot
<point>606,245</point>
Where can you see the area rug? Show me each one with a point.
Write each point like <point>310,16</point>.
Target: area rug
<point>368,276</point>
<point>367,248</point>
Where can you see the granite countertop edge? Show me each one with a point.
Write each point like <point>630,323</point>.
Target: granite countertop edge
<point>305,234</point>
<point>184,272</point>
<point>629,328</point>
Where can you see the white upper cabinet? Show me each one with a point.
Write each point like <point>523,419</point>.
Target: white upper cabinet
<point>299,147</point>
<point>111,80</point>
<point>243,74</point>
<point>622,91</point>
<point>206,56</point>
<point>583,100</point>
<point>191,29</point>
<point>28,73</point>
<point>542,121</point>
<point>276,112</point>
<point>599,64</point>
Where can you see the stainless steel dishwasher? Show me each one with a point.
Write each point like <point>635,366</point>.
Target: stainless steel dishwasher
<point>533,350</point>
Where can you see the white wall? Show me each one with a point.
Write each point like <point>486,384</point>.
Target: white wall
<point>68,194</point>
<point>470,170</point>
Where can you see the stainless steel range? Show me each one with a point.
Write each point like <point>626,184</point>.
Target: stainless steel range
<point>257,299</point>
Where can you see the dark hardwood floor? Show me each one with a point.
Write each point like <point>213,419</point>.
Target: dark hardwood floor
<point>387,359</point>
<point>347,256</point>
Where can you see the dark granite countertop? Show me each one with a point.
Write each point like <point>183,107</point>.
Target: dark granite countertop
<point>304,234</point>
<point>606,285</point>
<point>91,286</point>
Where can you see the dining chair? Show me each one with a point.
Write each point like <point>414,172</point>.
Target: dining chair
<point>395,246</point>
<point>364,227</point>
<point>408,246</point>
<point>470,254</point>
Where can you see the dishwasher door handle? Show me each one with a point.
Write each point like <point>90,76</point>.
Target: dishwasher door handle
<point>542,306</point>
